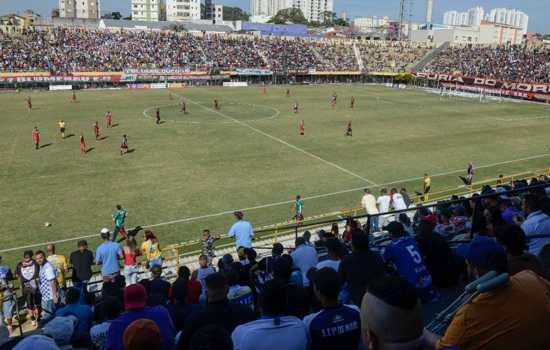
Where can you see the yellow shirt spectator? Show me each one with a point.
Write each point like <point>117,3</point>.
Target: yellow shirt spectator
<point>60,265</point>
<point>151,250</point>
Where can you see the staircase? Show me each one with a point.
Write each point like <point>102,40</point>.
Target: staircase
<point>318,55</point>
<point>418,67</point>
<point>263,56</point>
<point>358,57</point>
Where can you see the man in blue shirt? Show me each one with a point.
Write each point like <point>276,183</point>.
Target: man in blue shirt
<point>5,290</point>
<point>82,312</point>
<point>405,256</point>
<point>242,230</point>
<point>134,301</point>
<point>108,254</point>
<point>336,326</point>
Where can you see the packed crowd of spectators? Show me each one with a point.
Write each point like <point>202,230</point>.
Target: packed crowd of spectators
<point>66,50</point>
<point>330,290</point>
<point>517,64</point>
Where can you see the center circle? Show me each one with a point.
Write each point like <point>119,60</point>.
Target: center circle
<point>204,113</point>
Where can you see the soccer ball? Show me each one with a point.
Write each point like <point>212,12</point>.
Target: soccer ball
<point>47,224</point>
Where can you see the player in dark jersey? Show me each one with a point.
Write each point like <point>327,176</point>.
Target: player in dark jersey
<point>109,119</point>
<point>295,107</point>
<point>124,145</point>
<point>352,101</point>
<point>82,144</point>
<point>36,137</point>
<point>158,115</point>
<point>216,103</point>
<point>28,272</point>
<point>302,129</point>
<point>349,132</point>
<point>96,130</point>
<point>183,108</point>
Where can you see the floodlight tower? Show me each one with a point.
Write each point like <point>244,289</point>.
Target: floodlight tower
<point>401,19</point>
<point>429,11</point>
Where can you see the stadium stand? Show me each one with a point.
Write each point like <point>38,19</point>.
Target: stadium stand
<point>518,64</point>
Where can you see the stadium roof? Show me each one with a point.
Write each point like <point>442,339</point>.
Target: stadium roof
<point>193,27</point>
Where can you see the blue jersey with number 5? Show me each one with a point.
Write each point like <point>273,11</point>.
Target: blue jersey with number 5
<point>408,262</point>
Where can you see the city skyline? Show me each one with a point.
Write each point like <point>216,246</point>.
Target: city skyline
<point>538,10</point>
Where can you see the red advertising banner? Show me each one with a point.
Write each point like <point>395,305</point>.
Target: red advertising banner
<point>70,79</point>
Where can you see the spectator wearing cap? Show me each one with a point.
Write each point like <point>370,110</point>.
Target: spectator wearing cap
<point>392,316</point>
<point>513,240</point>
<point>181,309</point>
<point>333,251</point>
<point>508,209</point>
<point>518,307</point>
<point>142,334</point>
<point>81,262</point>
<point>369,203</point>
<point>108,254</point>
<point>158,285</point>
<point>383,203</point>
<point>536,223</point>
<point>41,342</point>
<point>265,266</point>
<point>444,226</point>
<point>134,301</point>
<point>241,254</point>
<point>403,253</point>
<point>437,255</point>
<point>6,288</point>
<point>194,286</point>
<point>111,311</point>
<point>297,296</point>
<point>237,293</point>
<point>459,218</point>
<point>359,267</point>
<point>273,330</point>
<point>227,260</point>
<point>28,271</point>
<point>61,329</point>
<point>304,257</point>
<point>49,287</point>
<point>336,326</point>
<point>242,231</point>
<point>207,245</point>
<point>82,312</point>
<point>200,275</point>
<point>218,311</point>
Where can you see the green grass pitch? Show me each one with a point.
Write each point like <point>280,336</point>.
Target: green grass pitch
<point>248,154</point>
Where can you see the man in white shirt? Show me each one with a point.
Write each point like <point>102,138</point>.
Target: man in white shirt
<point>383,206</point>
<point>536,223</point>
<point>369,203</point>
<point>273,330</point>
<point>397,201</point>
<point>304,258</point>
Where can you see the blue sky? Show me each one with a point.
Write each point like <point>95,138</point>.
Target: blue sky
<point>538,10</point>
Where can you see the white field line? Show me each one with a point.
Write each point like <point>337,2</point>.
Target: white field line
<point>275,204</point>
<point>279,140</point>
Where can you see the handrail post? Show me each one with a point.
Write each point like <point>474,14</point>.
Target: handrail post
<point>178,258</point>
<point>296,231</point>
<point>369,225</point>
<point>276,234</point>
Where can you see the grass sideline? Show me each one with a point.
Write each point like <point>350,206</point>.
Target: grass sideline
<point>207,163</point>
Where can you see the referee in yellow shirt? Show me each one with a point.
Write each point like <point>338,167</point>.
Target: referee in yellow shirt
<point>427,183</point>
<point>63,127</point>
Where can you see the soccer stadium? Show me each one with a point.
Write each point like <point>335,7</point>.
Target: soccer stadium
<point>167,190</point>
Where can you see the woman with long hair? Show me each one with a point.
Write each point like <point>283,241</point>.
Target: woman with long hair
<point>150,247</point>
<point>131,252</point>
<point>334,229</point>
<point>493,215</point>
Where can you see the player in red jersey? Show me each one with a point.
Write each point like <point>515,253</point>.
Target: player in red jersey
<point>333,99</point>
<point>82,144</point>
<point>124,145</point>
<point>170,94</point>
<point>36,137</point>
<point>183,108</point>
<point>74,98</point>
<point>265,91</point>
<point>29,103</point>
<point>287,92</point>
<point>158,115</point>
<point>352,101</point>
<point>96,131</point>
<point>216,103</point>
<point>295,107</point>
<point>349,132</point>
<point>109,119</point>
<point>302,129</point>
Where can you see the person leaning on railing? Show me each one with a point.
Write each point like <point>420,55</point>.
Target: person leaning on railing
<point>150,247</point>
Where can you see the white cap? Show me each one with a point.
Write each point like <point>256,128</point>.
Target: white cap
<point>105,230</point>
